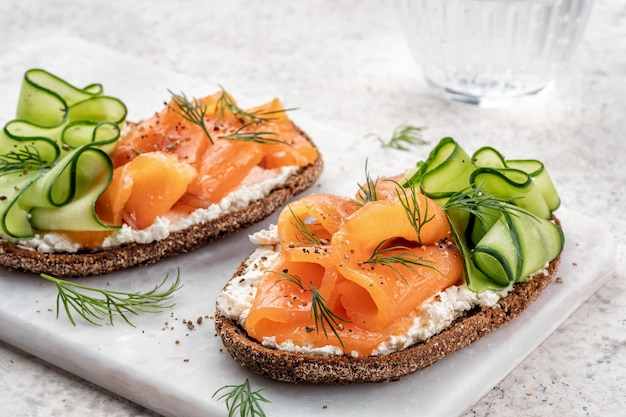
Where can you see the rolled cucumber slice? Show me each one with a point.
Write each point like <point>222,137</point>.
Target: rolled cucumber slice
<point>54,159</point>
<point>45,98</point>
<point>518,245</point>
<point>511,185</point>
<point>542,179</point>
<point>14,220</point>
<point>488,157</point>
<point>76,212</point>
<point>446,171</point>
<point>499,210</point>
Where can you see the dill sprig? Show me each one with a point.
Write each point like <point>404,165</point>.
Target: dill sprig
<point>247,119</point>
<point>305,235</point>
<point>323,315</point>
<point>241,398</point>
<point>289,277</point>
<point>107,303</point>
<point>416,217</point>
<point>481,204</point>
<point>225,102</point>
<point>25,159</point>
<point>262,137</point>
<point>193,111</point>
<point>403,138</point>
<point>381,256</point>
<point>367,192</point>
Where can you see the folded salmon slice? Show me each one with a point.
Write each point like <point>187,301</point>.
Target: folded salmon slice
<point>144,189</point>
<point>165,131</point>
<point>222,170</point>
<point>306,227</point>
<point>373,275</point>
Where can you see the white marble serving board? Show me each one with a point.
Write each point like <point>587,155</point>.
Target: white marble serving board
<point>167,367</point>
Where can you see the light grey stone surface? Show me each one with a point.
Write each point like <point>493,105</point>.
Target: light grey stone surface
<point>346,63</point>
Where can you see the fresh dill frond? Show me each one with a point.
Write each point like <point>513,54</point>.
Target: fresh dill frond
<point>262,137</point>
<point>258,137</point>
<point>26,158</point>
<point>295,279</point>
<point>481,204</point>
<point>367,192</point>
<point>266,115</point>
<point>322,315</point>
<point>416,217</point>
<point>193,111</point>
<point>225,102</point>
<point>106,304</point>
<point>403,137</point>
<point>381,255</point>
<point>241,400</point>
<point>305,235</point>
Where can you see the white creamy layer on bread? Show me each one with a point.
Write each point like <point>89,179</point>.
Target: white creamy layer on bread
<point>257,185</point>
<point>433,316</point>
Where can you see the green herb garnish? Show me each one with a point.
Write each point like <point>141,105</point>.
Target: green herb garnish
<point>321,313</point>
<point>225,102</point>
<point>107,303</point>
<point>403,138</point>
<point>480,204</point>
<point>241,398</point>
<point>367,192</point>
<point>415,216</point>
<point>381,256</point>
<point>305,235</point>
<point>262,137</point>
<point>193,111</point>
<point>26,158</point>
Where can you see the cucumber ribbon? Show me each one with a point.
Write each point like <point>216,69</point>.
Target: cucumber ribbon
<point>54,159</point>
<point>507,240</point>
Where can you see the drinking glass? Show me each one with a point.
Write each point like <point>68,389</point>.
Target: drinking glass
<point>492,52</point>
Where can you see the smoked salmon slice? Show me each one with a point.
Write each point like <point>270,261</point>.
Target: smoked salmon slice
<point>146,187</point>
<point>306,226</point>
<point>376,268</point>
<point>222,150</point>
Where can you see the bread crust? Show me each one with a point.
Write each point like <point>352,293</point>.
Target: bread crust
<point>300,368</point>
<point>89,263</point>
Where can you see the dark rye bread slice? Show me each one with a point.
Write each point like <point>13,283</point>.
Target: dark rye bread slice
<point>89,263</point>
<point>300,368</point>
